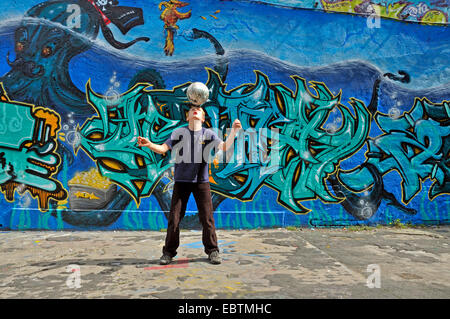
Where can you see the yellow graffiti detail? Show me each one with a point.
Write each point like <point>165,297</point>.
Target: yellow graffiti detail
<point>49,118</point>
<point>85,195</point>
<point>434,16</point>
<point>390,11</point>
<point>342,6</point>
<point>91,178</point>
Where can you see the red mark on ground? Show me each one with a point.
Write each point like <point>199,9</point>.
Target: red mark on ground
<point>181,263</point>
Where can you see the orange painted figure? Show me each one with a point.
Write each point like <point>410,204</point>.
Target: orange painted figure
<point>170,16</point>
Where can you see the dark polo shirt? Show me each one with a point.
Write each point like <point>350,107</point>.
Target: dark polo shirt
<point>191,151</point>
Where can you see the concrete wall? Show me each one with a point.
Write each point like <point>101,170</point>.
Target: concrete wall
<point>344,106</point>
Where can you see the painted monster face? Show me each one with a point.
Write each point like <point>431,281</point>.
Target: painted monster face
<point>44,43</point>
<point>39,55</point>
<point>50,35</point>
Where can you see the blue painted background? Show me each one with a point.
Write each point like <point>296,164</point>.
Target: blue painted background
<point>279,39</point>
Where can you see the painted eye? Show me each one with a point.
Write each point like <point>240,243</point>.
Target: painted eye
<point>20,46</point>
<point>46,51</point>
<point>21,35</point>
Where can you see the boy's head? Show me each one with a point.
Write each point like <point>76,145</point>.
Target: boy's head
<point>196,113</point>
<point>197,93</point>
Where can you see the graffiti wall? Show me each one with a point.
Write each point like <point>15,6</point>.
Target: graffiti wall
<point>344,105</point>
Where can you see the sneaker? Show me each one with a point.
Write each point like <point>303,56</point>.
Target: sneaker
<point>165,260</point>
<point>214,258</point>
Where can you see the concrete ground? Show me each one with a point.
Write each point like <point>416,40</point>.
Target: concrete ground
<point>385,262</point>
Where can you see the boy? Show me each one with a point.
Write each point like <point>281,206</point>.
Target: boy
<point>192,173</point>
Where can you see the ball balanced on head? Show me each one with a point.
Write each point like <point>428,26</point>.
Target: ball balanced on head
<point>197,93</point>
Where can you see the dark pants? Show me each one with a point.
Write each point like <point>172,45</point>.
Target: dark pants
<point>180,197</point>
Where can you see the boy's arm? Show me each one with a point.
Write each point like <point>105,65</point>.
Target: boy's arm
<point>224,146</point>
<point>157,148</point>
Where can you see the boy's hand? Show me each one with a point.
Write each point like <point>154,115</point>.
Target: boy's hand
<point>142,141</point>
<point>236,125</point>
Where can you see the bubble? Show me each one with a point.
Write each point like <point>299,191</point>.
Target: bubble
<point>25,201</point>
<point>21,188</point>
<point>112,97</point>
<point>73,138</point>
<point>116,84</point>
<point>394,113</point>
<point>21,174</point>
<point>331,128</point>
<point>362,201</point>
<point>65,127</point>
<point>366,212</point>
<point>187,35</point>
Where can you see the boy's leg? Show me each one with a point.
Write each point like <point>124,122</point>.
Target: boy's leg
<point>180,197</point>
<point>202,195</point>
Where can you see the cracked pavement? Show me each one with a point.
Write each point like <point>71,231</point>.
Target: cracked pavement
<point>263,263</point>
